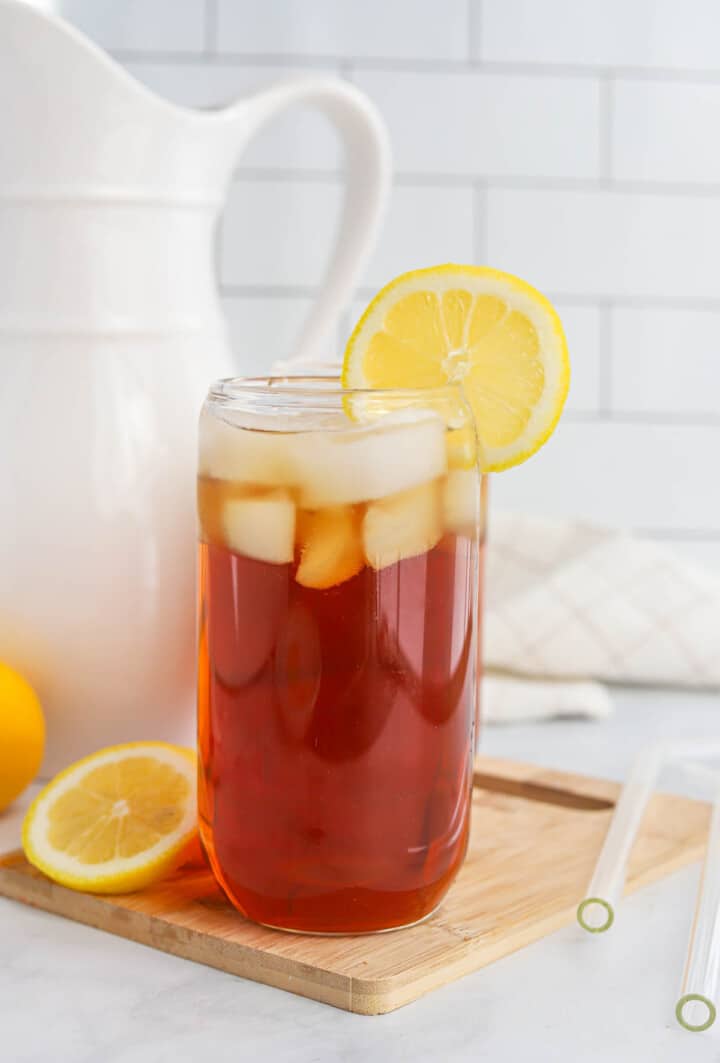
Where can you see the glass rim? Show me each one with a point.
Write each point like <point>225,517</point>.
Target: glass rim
<point>329,387</point>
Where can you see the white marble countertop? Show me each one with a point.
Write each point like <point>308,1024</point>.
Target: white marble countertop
<point>69,994</point>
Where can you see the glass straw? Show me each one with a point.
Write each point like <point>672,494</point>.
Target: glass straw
<point>596,912</point>
<point>696,1009</point>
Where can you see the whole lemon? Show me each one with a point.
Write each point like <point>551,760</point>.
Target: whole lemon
<point>22,735</point>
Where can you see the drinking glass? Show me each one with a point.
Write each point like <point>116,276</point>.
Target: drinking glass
<point>339,534</point>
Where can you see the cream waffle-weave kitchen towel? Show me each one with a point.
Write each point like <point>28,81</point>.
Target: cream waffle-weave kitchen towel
<point>569,606</point>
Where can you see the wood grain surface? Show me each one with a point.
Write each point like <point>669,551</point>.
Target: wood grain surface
<point>534,839</point>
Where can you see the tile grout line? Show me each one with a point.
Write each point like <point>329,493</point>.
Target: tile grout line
<point>502,182</point>
<point>480,218</point>
<point>623,186</point>
<point>687,535</point>
<point>606,88</point>
<point>605,365</point>
<point>402,64</point>
<point>590,300</point>
<point>269,291</point>
<point>474,31</point>
<point>641,302</point>
<point>211,41</point>
<point>659,418</point>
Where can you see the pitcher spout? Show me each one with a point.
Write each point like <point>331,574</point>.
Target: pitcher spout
<point>81,126</point>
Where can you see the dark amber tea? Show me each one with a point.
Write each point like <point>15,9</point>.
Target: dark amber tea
<point>337,666</point>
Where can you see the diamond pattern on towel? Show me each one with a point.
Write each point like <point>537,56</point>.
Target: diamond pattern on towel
<point>571,601</point>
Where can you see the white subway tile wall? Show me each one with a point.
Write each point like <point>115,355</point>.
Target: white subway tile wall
<point>424,225</point>
<point>666,128</point>
<point>263,328</point>
<point>607,243</point>
<point>375,29</point>
<point>467,124</point>
<point>644,474</point>
<point>668,361</point>
<point>570,141</point>
<point>671,34</point>
<point>164,25</point>
<point>278,232</point>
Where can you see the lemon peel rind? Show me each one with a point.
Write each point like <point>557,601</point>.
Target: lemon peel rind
<point>494,282</point>
<point>20,772</point>
<point>122,874</point>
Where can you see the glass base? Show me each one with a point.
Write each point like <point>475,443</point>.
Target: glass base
<point>349,933</point>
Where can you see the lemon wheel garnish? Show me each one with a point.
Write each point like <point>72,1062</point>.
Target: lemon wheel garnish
<point>117,820</point>
<point>488,331</point>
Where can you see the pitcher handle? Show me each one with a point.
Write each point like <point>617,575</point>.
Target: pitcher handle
<point>368,173</point>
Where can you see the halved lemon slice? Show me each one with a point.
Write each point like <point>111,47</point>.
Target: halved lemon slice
<point>117,820</point>
<point>489,331</point>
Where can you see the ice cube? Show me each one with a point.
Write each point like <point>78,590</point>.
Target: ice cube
<point>228,452</point>
<point>461,501</point>
<point>405,525</point>
<point>261,527</point>
<point>367,463</point>
<point>331,547</point>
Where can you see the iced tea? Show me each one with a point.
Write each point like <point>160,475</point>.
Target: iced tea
<point>338,565</point>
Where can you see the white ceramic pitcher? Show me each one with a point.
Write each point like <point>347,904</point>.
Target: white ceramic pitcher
<point>110,330</point>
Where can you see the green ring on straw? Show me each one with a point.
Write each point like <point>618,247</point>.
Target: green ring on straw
<point>603,904</point>
<point>703,1000</point>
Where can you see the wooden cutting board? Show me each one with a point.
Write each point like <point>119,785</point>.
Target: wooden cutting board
<point>534,840</point>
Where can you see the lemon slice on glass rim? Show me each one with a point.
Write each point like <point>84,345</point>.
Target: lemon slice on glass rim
<point>117,820</point>
<point>488,331</point>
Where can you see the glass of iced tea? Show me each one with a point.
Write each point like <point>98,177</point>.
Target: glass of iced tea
<point>339,536</point>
